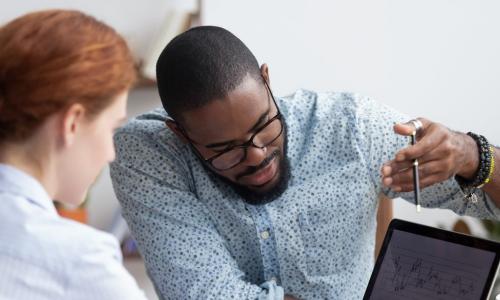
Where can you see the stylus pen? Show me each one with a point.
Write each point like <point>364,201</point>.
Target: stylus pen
<point>416,185</point>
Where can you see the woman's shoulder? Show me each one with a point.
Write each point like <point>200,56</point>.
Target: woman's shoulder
<point>81,239</point>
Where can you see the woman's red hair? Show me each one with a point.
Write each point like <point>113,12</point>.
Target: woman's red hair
<point>52,59</point>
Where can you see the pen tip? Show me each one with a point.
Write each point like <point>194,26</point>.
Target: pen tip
<point>418,208</point>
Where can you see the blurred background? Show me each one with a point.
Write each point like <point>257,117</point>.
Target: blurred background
<point>435,59</point>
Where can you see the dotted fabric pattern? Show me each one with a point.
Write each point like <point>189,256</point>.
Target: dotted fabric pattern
<point>200,240</point>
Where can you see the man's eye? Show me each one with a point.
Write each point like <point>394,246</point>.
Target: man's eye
<point>264,122</point>
<point>222,149</point>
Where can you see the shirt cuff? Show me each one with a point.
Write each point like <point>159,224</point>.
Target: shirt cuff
<point>491,206</point>
<point>271,291</point>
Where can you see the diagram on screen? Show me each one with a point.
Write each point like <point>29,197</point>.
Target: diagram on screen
<point>431,269</point>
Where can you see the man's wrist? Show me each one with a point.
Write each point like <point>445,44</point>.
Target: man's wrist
<point>471,157</point>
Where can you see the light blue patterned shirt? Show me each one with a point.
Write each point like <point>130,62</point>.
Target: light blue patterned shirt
<point>200,240</point>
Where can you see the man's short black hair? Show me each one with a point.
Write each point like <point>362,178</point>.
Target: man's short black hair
<point>200,65</point>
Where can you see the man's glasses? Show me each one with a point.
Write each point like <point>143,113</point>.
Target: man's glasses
<point>263,137</point>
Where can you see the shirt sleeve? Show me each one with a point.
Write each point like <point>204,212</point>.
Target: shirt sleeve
<point>378,143</point>
<point>184,254</point>
<point>97,273</point>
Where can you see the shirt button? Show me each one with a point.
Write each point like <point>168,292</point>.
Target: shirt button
<point>264,235</point>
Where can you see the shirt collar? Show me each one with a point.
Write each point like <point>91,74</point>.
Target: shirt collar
<point>15,181</point>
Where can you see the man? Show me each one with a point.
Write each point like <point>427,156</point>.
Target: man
<point>237,194</point>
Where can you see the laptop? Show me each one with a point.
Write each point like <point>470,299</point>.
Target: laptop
<point>421,262</point>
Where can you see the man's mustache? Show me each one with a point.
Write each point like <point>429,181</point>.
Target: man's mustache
<point>263,164</point>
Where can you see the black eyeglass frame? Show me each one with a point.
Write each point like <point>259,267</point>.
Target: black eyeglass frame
<point>245,145</point>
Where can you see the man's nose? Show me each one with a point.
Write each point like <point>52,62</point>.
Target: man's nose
<point>255,156</point>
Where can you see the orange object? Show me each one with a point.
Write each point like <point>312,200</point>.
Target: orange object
<point>78,214</point>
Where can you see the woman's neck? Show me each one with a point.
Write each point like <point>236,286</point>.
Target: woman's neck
<point>29,158</point>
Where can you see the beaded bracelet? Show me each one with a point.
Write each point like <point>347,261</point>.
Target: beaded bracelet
<point>492,167</point>
<point>484,171</point>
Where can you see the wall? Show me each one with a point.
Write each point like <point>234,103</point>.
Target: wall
<point>138,21</point>
<point>435,59</point>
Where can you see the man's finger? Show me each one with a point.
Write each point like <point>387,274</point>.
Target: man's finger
<point>428,181</point>
<point>405,177</point>
<point>392,167</point>
<point>408,128</point>
<point>430,140</point>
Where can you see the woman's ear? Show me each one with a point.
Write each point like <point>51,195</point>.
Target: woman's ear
<point>174,127</point>
<point>72,119</point>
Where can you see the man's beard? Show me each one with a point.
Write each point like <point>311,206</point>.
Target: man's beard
<point>253,196</point>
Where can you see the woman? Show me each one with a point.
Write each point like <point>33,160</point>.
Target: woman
<point>63,86</point>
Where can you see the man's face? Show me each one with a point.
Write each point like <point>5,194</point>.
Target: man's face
<point>232,120</point>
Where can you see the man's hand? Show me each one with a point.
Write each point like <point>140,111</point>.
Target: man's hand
<point>441,154</point>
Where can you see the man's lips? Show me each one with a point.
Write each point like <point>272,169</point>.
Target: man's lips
<point>263,176</point>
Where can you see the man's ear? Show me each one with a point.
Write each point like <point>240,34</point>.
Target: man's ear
<point>264,71</point>
<point>175,129</point>
<point>72,119</point>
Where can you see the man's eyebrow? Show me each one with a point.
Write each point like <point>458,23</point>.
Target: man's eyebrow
<point>259,122</point>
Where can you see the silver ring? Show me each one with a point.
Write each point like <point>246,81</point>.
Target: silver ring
<point>418,125</point>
